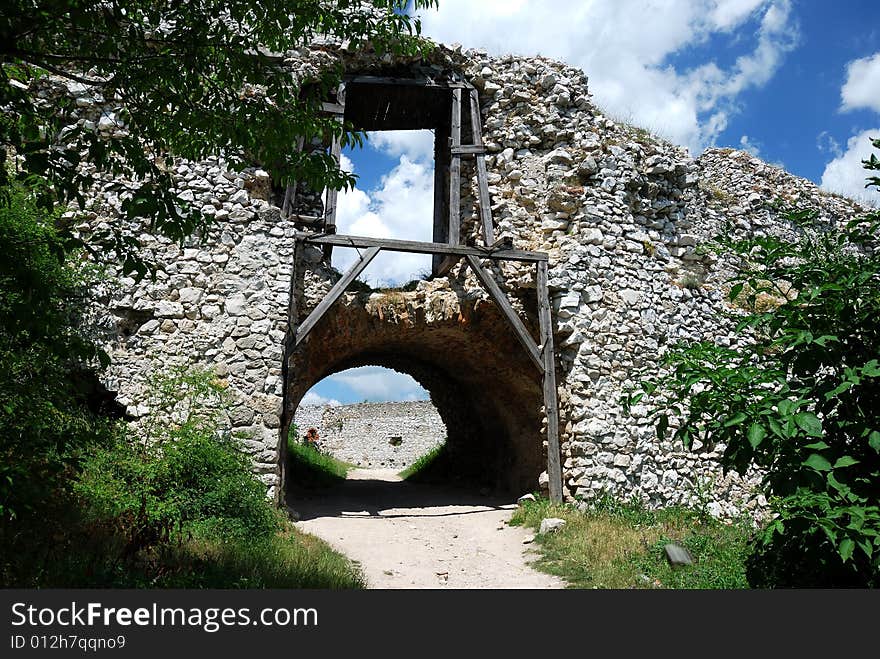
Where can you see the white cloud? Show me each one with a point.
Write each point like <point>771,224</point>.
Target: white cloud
<point>862,86</point>
<point>747,144</point>
<point>845,174</point>
<point>311,398</point>
<point>624,47</point>
<point>380,384</point>
<point>417,145</point>
<point>401,207</point>
<point>826,143</point>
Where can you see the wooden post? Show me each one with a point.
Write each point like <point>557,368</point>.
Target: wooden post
<point>318,312</point>
<point>454,232</point>
<point>504,304</point>
<point>554,466</point>
<point>290,192</point>
<point>453,227</point>
<point>335,151</point>
<point>441,194</point>
<point>482,176</point>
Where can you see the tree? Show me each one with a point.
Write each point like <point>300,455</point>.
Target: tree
<point>798,398</point>
<point>193,78</point>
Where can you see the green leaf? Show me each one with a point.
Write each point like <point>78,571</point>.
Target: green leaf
<point>735,291</point>
<point>874,440</point>
<point>845,461</point>
<point>756,434</point>
<point>809,423</point>
<point>736,419</point>
<point>845,549</point>
<point>817,462</point>
<point>662,425</point>
<point>872,368</point>
<point>817,446</point>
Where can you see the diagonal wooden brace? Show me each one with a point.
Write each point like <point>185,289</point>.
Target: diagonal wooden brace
<point>503,303</point>
<point>338,288</point>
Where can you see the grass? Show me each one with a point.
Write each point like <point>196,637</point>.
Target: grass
<point>620,545</point>
<point>310,468</point>
<point>66,551</point>
<point>422,468</point>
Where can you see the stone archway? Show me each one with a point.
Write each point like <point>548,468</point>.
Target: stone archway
<point>461,350</point>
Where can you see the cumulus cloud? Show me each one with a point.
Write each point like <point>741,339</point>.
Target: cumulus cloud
<point>845,174</point>
<point>625,48</point>
<point>400,207</point>
<point>748,144</point>
<point>374,383</point>
<point>862,87</point>
<point>311,398</point>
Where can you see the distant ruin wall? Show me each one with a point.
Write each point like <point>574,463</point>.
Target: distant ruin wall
<point>374,435</point>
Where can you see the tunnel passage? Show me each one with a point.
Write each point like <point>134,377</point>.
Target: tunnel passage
<point>460,349</point>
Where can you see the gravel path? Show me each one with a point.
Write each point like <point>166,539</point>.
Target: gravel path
<point>411,535</point>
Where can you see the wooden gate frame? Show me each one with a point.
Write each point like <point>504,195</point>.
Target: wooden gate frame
<point>449,253</point>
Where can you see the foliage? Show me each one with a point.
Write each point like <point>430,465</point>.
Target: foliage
<point>176,478</point>
<point>422,465</point>
<point>170,504</point>
<point>45,418</point>
<point>308,467</point>
<point>797,398</point>
<point>193,79</point>
<point>619,544</point>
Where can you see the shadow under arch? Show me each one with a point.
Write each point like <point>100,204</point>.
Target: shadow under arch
<point>460,349</point>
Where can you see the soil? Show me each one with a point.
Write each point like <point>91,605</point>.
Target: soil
<point>414,535</point>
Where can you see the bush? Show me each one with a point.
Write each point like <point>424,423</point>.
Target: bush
<point>45,359</point>
<point>798,399</point>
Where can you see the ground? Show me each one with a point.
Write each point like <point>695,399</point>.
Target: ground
<point>414,535</point>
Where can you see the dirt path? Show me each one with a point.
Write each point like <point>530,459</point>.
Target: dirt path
<point>409,535</point>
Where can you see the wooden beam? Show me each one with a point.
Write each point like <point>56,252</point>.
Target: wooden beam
<point>441,164</point>
<point>551,409</point>
<point>504,304</point>
<point>482,175</point>
<point>468,150</point>
<point>420,81</point>
<point>453,235</point>
<point>290,192</point>
<point>332,193</point>
<point>415,247</point>
<point>338,288</point>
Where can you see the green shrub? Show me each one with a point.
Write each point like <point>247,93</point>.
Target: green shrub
<point>308,467</point>
<point>45,360</point>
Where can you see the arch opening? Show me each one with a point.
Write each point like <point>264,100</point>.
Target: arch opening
<point>485,389</point>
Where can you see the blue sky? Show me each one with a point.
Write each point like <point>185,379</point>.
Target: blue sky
<point>796,82</point>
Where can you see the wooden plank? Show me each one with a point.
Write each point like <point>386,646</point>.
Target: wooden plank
<point>453,236</point>
<point>441,162</point>
<point>503,303</point>
<point>419,81</point>
<point>468,150</point>
<point>551,409</point>
<point>482,175</point>
<point>415,247</point>
<point>333,108</point>
<point>332,195</point>
<point>290,192</point>
<point>338,288</point>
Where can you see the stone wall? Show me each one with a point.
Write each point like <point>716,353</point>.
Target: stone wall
<point>620,213</point>
<point>374,435</point>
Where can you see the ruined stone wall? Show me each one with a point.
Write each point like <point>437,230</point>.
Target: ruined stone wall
<point>620,213</point>
<point>374,435</point>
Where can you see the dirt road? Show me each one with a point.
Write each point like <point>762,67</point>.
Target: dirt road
<point>410,535</point>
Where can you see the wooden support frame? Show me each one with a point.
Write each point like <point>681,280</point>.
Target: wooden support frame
<point>482,175</point>
<point>503,303</point>
<point>453,231</point>
<point>415,247</point>
<point>542,356</point>
<point>338,288</point>
<point>551,405</point>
